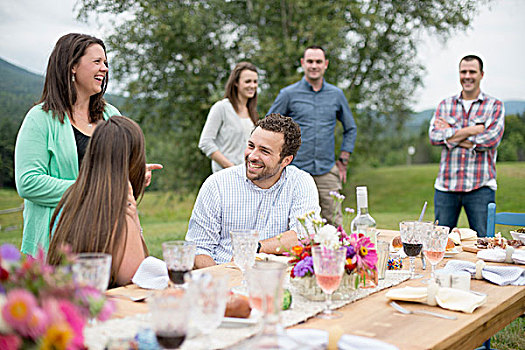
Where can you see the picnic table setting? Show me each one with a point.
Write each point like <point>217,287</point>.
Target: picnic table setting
<point>334,290</point>
<point>368,289</point>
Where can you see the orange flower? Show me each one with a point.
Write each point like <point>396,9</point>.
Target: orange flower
<point>297,250</point>
<point>58,336</point>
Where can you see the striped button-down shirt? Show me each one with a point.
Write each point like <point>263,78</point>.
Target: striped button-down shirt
<point>462,169</point>
<point>228,201</point>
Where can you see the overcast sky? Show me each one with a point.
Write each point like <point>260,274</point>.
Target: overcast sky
<point>30,28</point>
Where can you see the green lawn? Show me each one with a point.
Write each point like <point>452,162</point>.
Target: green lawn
<point>395,194</point>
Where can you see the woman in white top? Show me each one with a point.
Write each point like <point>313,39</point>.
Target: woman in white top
<point>232,119</point>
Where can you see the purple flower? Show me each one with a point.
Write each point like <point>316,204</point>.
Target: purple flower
<point>350,252</point>
<point>304,267</point>
<point>9,252</point>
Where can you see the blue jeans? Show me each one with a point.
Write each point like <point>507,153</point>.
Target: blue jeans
<point>447,207</point>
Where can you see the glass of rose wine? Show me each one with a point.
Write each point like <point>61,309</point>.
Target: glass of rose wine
<point>412,233</point>
<point>179,257</point>
<point>329,268</point>
<point>434,246</point>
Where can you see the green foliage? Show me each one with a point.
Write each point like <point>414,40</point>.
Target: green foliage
<point>175,57</point>
<point>512,147</point>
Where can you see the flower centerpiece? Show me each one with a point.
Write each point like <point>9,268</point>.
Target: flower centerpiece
<point>40,305</point>
<point>361,255</point>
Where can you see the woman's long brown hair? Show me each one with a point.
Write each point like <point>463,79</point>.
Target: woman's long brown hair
<point>231,90</point>
<point>59,94</point>
<point>91,216</point>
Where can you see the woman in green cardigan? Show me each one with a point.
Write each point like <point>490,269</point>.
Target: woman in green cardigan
<point>54,135</point>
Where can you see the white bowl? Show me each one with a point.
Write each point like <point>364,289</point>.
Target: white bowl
<point>518,236</point>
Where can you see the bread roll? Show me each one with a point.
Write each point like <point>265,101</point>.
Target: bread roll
<point>238,306</point>
<point>396,242</point>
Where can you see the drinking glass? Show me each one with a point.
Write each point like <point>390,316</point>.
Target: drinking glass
<point>209,301</point>
<point>170,313</point>
<point>434,246</point>
<point>92,269</point>
<point>265,289</point>
<point>329,268</point>
<point>244,244</point>
<point>412,233</point>
<point>382,248</point>
<point>179,257</point>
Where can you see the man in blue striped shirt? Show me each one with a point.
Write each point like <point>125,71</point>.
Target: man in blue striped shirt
<point>265,194</point>
<point>316,106</point>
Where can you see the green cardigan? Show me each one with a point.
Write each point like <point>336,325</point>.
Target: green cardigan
<point>46,164</point>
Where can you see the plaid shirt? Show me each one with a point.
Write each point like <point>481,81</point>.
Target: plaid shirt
<point>462,169</point>
<point>228,201</point>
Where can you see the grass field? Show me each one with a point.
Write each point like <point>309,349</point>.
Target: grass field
<point>395,194</point>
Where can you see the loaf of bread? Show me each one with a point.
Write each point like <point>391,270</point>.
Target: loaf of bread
<point>396,243</point>
<point>238,306</point>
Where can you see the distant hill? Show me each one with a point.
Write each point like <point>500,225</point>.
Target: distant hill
<point>19,91</point>
<point>414,124</point>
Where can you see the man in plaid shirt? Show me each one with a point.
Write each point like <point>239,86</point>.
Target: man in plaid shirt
<point>468,127</point>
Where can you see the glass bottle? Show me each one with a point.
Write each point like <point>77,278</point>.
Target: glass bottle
<point>363,222</point>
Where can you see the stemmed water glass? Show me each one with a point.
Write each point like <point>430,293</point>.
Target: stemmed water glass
<point>244,245</point>
<point>412,233</point>
<point>329,268</point>
<point>92,269</point>
<point>179,257</point>
<point>435,245</point>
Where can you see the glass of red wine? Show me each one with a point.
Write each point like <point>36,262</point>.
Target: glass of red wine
<point>329,268</point>
<point>170,313</point>
<point>412,233</point>
<point>435,245</point>
<point>179,257</point>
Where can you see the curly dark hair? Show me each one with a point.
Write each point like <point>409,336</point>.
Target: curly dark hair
<point>276,122</point>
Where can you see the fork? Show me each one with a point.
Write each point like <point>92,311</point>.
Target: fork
<point>406,311</point>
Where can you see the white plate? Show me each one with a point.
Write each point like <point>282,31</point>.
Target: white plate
<point>518,236</point>
<point>234,322</point>
<point>519,257</point>
<point>452,252</point>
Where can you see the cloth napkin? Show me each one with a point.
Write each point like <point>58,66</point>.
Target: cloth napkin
<point>447,298</point>
<point>311,338</point>
<point>354,342</point>
<point>500,275</point>
<point>151,274</point>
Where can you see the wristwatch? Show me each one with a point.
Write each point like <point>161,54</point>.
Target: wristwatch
<point>259,246</point>
<point>343,160</point>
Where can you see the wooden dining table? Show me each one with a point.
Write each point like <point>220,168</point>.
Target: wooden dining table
<point>374,317</point>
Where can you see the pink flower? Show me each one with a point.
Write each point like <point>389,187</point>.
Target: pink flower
<point>75,320</point>
<point>37,323</point>
<point>366,255</point>
<point>10,342</point>
<point>18,309</point>
<point>107,310</point>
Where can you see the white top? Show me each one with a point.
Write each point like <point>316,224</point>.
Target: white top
<point>226,132</point>
<point>229,201</point>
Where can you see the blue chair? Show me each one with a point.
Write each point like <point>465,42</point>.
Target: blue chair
<point>493,219</point>
<point>509,219</point>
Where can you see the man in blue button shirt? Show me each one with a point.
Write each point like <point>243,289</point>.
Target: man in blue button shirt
<point>316,105</point>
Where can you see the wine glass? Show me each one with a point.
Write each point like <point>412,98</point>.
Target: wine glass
<point>329,268</point>
<point>244,244</point>
<point>412,233</point>
<point>179,257</point>
<point>434,246</point>
<point>265,287</point>
<point>170,313</point>
<point>92,269</point>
